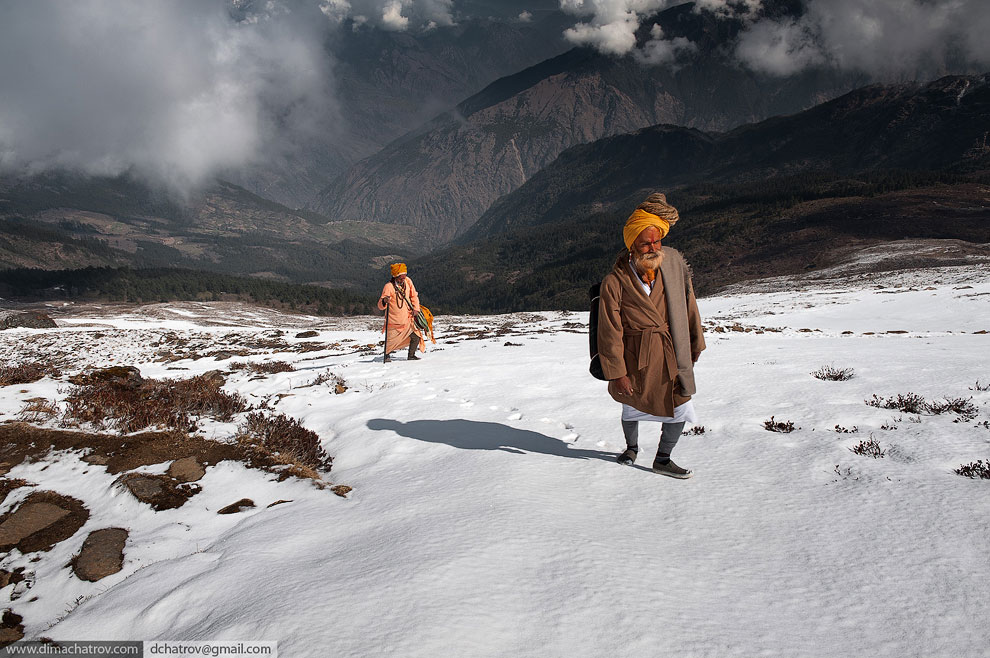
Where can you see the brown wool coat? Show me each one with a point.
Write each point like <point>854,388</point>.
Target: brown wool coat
<point>650,339</point>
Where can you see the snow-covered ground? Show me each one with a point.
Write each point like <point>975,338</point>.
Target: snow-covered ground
<point>488,517</point>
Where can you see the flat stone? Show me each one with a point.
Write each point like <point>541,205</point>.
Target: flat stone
<point>159,491</point>
<point>102,554</point>
<point>187,469</point>
<point>234,508</point>
<point>29,519</point>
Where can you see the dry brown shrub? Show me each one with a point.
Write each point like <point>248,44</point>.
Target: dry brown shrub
<point>869,448</point>
<point>25,373</point>
<point>977,469</point>
<point>154,403</point>
<point>266,368</point>
<point>287,441</point>
<point>37,410</point>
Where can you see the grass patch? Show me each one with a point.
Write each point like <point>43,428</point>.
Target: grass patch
<point>977,469</point>
<point>912,403</point>
<point>869,448</point>
<point>285,441</point>
<point>265,368</point>
<point>784,427</point>
<point>126,402</point>
<point>909,403</point>
<point>828,373</point>
<point>26,373</point>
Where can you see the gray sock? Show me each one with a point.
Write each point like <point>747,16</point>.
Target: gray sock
<point>668,439</point>
<point>630,429</point>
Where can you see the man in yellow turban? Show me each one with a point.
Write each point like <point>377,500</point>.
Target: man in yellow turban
<point>400,301</point>
<point>650,334</point>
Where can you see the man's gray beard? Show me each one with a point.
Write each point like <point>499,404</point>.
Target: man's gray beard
<point>644,262</point>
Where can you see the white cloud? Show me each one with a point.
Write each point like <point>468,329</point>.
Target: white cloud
<point>658,50</point>
<point>392,18</point>
<point>525,17</point>
<point>779,48</point>
<point>884,38</point>
<point>393,15</point>
<point>175,91</point>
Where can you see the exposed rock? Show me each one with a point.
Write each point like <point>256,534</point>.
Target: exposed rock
<point>234,508</point>
<point>11,628</point>
<point>159,491</point>
<point>96,460</point>
<point>11,577</point>
<point>341,490</point>
<point>9,484</point>
<point>279,502</point>
<point>102,554</point>
<point>29,319</point>
<point>308,334</point>
<point>29,519</point>
<point>187,469</point>
<point>41,520</point>
<point>127,377</point>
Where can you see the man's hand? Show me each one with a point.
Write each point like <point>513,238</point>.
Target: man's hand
<point>385,299</point>
<point>623,386</point>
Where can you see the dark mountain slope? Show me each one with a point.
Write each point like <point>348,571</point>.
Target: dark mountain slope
<point>442,177</point>
<point>784,195</point>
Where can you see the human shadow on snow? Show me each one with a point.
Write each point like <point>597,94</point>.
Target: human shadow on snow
<point>475,435</point>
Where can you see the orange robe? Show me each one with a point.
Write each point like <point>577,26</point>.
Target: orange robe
<point>401,310</point>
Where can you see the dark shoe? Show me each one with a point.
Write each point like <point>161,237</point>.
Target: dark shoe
<point>387,359</point>
<point>628,457</point>
<point>670,469</point>
<point>412,357</point>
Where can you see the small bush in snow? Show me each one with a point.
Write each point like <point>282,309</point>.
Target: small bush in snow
<point>37,410</point>
<point>144,403</point>
<point>776,426</point>
<point>828,373</point>
<point>962,406</point>
<point>909,403</point>
<point>980,387</point>
<point>695,431</point>
<point>869,448</point>
<point>843,430</point>
<point>977,469</point>
<point>265,368</point>
<point>286,440</point>
<point>25,373</point>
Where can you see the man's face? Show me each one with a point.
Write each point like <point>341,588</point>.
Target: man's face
<point>646,248</point>
<point>401,278</point>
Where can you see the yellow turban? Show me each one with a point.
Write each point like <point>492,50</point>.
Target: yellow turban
<point>656,212</point>
<point>398,268</point>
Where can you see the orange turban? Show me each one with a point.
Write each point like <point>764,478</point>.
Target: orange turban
<point>398,268</point>
<point>656,212</point>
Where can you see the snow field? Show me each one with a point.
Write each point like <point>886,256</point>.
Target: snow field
<point>489,518</point>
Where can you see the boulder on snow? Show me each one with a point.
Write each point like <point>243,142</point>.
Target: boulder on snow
<point>159,491</point>
<point>187,469</point>
<point>29,319</point>
<point>127,377</point>
<point>102,554</point>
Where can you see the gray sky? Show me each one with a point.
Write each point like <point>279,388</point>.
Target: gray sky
<point>178,90</point>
